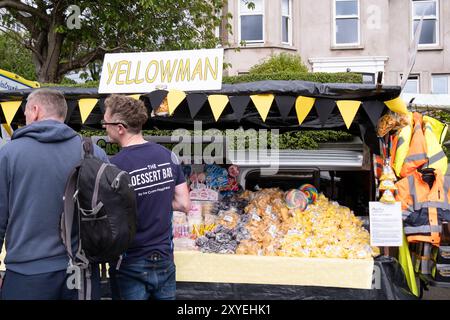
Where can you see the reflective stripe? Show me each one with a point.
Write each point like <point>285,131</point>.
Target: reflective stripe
<point>405,214</point>
<point>415,157</point>
<point>446,188</point>
<point>422,229</point>
<point>436,157</point>
<point>432,204</point>
<point>412,191</point>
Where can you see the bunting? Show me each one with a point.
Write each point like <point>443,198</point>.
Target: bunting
<point>71,105</point>
<point>374,110</point>
<point>324,108</point>
<point>303,106</point>
<point>239,104</point>
<point>262,102</point>
<point>174,99</point>
<point>10,109</point>
<point>156,98</point>
<point>195,102</point>
<point>285,104</point>
<point>86,106</point>
<point>348,109</point>
<point>397,105</point>
<point>218,102</point>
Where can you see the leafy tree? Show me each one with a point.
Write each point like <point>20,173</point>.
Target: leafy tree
<point>283,62</point>
<point>59,44</point>
<point>15,58</point>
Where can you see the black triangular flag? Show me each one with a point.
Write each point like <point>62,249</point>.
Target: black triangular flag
<point>324,108</point>
<point>156,97</point>
<point>71,105</point>
<point>239,104</point>
<point>374,109</point>
<point>101,104</point>
<point>363,130</point>
<point>195,102</point>
<point>285,104</point>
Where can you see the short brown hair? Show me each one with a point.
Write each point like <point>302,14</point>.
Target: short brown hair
<point>53,102</point>
<point>128,110</point>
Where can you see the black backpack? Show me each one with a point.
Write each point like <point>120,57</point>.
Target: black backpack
<point>99,218</point>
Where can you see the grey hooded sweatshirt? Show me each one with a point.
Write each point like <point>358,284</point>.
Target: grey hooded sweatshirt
<point>34,168</point>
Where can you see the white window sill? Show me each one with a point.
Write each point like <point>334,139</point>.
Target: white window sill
<point>430,48</point>
<point>347,47</point>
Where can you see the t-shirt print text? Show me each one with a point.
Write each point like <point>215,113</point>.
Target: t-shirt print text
<point>152,178</point>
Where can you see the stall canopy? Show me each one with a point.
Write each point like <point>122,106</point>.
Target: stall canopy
<point>284,105</point>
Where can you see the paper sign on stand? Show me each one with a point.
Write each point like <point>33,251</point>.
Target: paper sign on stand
<point>385,224</point>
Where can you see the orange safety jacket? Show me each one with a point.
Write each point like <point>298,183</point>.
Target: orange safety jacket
<point>424,209</point>
<point>417,154</point>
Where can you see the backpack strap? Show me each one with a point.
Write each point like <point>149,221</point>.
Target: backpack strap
<point>87,148</point>
<point>69,210</point>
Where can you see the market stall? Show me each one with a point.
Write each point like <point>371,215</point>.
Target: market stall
<point>260,243</point>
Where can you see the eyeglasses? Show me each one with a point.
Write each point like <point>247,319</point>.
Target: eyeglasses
<point>104,123</point>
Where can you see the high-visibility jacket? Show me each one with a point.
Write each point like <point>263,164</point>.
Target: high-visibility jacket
<point>435,155</point>
<point>402,146</point>
<point>417,152</point>
<point>424,209</point>
<point>439,128</point>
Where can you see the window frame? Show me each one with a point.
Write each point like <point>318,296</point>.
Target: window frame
<point>336,17</point>
<point>289,17</point>
<point>417,18</point>
<point>418,82</point>
<point>262,13</point>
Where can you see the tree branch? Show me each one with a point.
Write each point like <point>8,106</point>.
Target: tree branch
<point>82,61</point>
<point>18,5</point>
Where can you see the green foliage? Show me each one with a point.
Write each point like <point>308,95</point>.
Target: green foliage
<point>321,77</point>
<point>15,58</point>
<point>109,26</point>
<point>293,140</point>
<point>283,62</point>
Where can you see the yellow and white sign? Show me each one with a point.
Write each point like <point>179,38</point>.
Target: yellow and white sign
<point>187,70</point>
<point>11,81</point>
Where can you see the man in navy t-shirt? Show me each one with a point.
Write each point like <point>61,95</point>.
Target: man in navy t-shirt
<point>147,269</point>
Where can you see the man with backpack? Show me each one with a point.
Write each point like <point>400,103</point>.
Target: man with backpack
<point>34,168</point>
<point>146,270</point>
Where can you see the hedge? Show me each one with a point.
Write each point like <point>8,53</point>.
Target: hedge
<point>321,77</point>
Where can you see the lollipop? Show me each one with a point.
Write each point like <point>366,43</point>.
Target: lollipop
<point>310,191</point>
<point>296,199</point>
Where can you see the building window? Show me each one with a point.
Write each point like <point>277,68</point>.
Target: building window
<point>286,21</point>
<point>346,25</point>
<point>412,84</point>
<point>251,21</point>
<point>368,78</point>
<point>430,27</point>
<point>440,83</point>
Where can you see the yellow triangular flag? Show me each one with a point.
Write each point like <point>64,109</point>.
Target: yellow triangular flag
<point>10,109</point>
<point>303,106</point>
<point>218,102</point>
<point>262,103</point>
<point>7,128</point>
<point>174,98</point>
<point>86,106</point>
<point>135,96</point>
<point>348,109</point>
<point>397,105</point>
